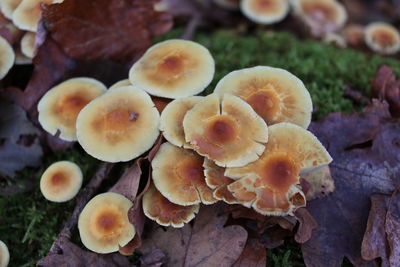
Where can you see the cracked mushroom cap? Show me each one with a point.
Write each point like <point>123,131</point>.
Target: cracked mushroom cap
<point>60,106</point>
<point>7,57</point>
<point>103,224</point>
<point>174,69</point>
<point>228,4</point>
<point>171,120</point>
<point>178,174</point>
<point>274,177</point>
<point>119,125</point>
<point>227,130</point>
<point>4,254</point>
<point>382,38</point>
<point>121,83</point>
<point>28,13</point>
<point>265,11</point>
<point>61,181</point>
<point>275,94</point>
<point>158,208</point>
<point>8,6</point>
<point>28,44</point>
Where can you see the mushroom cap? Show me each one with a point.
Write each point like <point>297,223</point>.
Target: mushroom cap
<point>275,94</point>
<point>119,125</point>
<point>174,69</point>
<point>228,131</point>
<point>382,38</point>
<point>61,181</point>
<point>228,4</point>
<point>121,83</point>
<point>171,120</point>
<point>274,177</point>
<point>7,57</point>
<point>21,59</point>
<point>60,106</point>
<point>178,174</point>
<point>28,44</point>
<point>158,208</point>
<point>354,34</point>
<point>27,15</point>
<point>8,6</point>
<point>335,39</point>
<point>4,254</point>
<point>103,223</point>
<point>265,11</point>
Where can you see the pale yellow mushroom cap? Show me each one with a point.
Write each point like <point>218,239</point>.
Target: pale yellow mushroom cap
<point>61,181</point>
<point>7,57</point>
<point>28,44</point>
<point>174,69</point>
<point>60,106</point>
<point>103,224</point>
<point>8,6</point>
<point>4,255</point>
<point>121,83</point>
<point>119,125</point>
<point>28,13</point>
<point>265,11</point>
<point>382,38</point>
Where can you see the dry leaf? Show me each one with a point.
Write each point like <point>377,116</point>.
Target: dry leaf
<point>385,86</point>
<point>307,225</point>
<point>392,227</point>
<point>254,255</point>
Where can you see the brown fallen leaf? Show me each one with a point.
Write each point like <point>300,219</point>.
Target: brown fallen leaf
<point>392,227</point>
<point>254,255</point>
<point>307,225</point>
<point>156,258</point>
<point>385,86</point>
<point>206,243</point>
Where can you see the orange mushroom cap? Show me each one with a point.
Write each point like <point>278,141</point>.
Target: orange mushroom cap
<point>119,125</point>
<point>4,254</point>
<point>228,4</point>
<point>174,69</point>
<point>8,6</point>
<point>158,208</point>
<point>171,120</point>
<point>60,106</point>
<point>272,180</point>
<point>61,181</point>
<point>275,94</point>
<point>265,11</point>
<point>28,44</point>
<point>7,57</point>
<point>354,34</point>
<point>382,38</point>
<point>103,224</point>
<point>121,83</point>
<point>228,131</point>
<point>178,175</point>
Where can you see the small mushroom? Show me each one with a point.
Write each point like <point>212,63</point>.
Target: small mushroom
<point>171,120</point>
<point>4,255</point>
<point>225,130</point>
<point>28,44</point>
<point>354,35</point>
<point>158,208</point>
<point>103,224</point>
<point>382,38</point>
<point>270,184</point>
<point>60,106</point>
<point>228,4</point>
<point>275,94</point>
<point>7,57</point>
<point>8,6</point>
<point>119,125</point>
<point>265,11</point>
<point>178,175</point>
<point>174,69</point>
<point>335,39</point>
<point>61,181</point>
<point>121,83</point>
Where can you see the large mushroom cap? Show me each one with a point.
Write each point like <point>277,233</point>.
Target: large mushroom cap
<point>171,120</point>
<point>158,208</point>
<point>27,15</point>
<point>228,131</point>
<point>4,255</point>
<point>60,106</point>
<point>179,176</point>
<point>8,6</point>
<point>228,4</point>
<point>104,225</point>
<point>121,83</point>
<point>119,125</point>
<point>174,69</point>
<point>382,38</point>
<point>265,11</point>
<point>7,57</point>
<point>275,94</point>
<point>274,176</point>
<point>28,44</point>
<point>61,181</point>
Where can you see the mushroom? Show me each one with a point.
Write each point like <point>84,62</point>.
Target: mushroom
<point>382,38</point>
<point>8,6</point>
<point>228,4</point>
<point>119,125</point>
<point>121,83</point>
<point>7,57</point>
<point>61,181</point>
<point>28,44</point>
<point>335,39</point>
<point>275,94</point>
<point>28,13</point>
<point>265,11</point>
<point>354,35</point>
<point>4,254</point>
<point>171,120</point>
<point>158,208</point>
<point>103,224</point>
<point>60,106</point>
<point>174,69</point>
<point>178,175</point>
<point>270,184</point>
<point>227,130</point>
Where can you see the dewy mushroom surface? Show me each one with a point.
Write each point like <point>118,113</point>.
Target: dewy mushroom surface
<point>103,224</point>
<point>275,94</point>
<point>7,57</point>
<point>269,184</point>
<point>265,11</point>
<point>4,255</point>
<point>174,69</point>
<point>119,125</point>
<point>382,38</point>
<point>60,106</point>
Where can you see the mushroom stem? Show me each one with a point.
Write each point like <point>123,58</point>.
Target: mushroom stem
<point>191,27</point>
